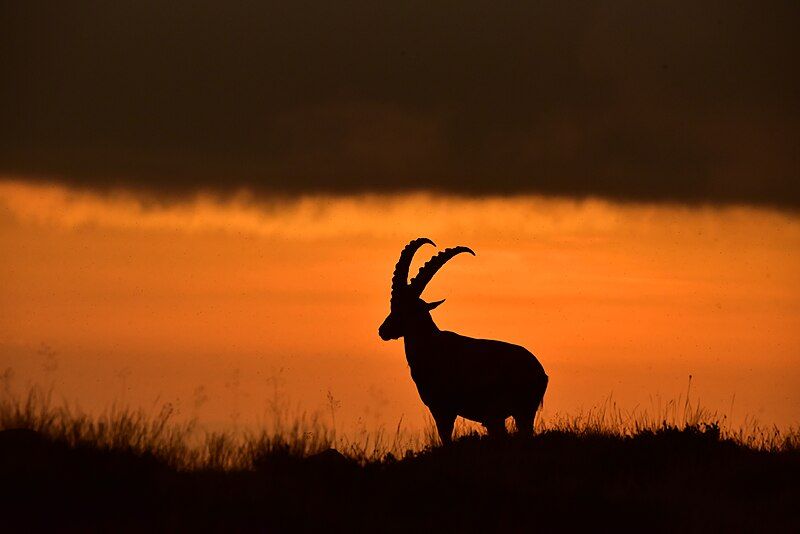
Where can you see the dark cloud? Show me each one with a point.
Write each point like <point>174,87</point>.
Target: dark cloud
<point>691,101</point>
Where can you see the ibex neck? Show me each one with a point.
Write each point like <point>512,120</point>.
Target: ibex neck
<point>419,337</point>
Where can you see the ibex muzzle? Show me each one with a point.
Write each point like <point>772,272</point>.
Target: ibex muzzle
<point>478,379</point>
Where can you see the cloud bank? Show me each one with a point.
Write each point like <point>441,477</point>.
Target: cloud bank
<point>688,102</point>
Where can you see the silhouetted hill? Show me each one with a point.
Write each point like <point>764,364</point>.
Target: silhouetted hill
<point>672,479</point>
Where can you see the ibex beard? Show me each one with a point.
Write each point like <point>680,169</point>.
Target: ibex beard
<point>479,379</point>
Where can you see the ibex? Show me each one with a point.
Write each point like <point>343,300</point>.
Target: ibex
<point>479,379</point>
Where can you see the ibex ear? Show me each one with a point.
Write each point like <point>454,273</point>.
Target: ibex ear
<point>432,305</point>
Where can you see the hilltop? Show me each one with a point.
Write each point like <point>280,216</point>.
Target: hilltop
<point>128,473</point>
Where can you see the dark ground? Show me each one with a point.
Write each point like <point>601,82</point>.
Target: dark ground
<point>687,480</point>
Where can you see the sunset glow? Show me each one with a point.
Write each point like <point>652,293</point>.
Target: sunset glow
<point>216,304</point>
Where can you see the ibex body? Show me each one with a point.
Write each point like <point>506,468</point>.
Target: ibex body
<point>478,379</point>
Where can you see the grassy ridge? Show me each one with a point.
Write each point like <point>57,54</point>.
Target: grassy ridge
<point>602,469</point>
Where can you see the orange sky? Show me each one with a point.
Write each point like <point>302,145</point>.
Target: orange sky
<point>206,303</point>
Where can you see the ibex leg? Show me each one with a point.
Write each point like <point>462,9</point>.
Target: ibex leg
<point>524,424</point>
<point>444,425</point>
<point>495,427</point>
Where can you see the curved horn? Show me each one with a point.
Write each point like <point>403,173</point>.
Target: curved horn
<point>426,272</point>
<point>400,276</point>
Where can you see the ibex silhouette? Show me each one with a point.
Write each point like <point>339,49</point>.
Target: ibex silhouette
<point>478,379</point>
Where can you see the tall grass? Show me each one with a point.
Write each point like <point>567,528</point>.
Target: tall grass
<point>675,414</point>
<point>183,446</point>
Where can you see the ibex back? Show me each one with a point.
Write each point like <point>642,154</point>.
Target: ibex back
<point>479,379</point>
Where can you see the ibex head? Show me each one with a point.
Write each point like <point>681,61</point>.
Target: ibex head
<point>407,307</point>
